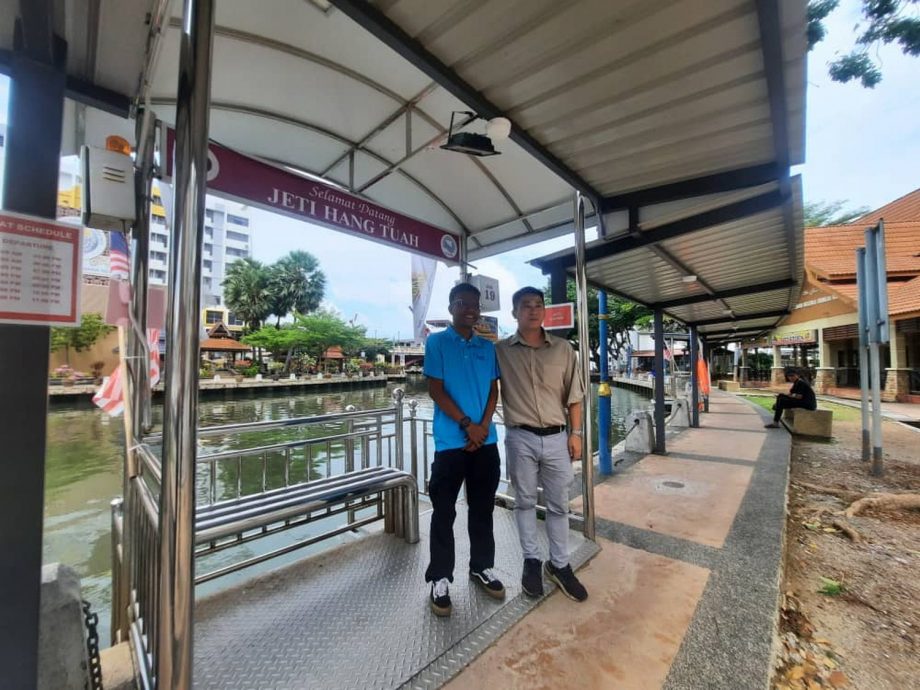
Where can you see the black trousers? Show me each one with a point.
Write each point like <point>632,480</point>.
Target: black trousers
<point>481,470</point>
<point>785,402</point>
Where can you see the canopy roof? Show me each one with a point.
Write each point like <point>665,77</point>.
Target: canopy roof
<point>223,345</point>
<point>643,105</point>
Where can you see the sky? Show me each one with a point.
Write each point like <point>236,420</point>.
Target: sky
<point>863,148</point>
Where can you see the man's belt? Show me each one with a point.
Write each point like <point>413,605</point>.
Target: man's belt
<point>544,431</point>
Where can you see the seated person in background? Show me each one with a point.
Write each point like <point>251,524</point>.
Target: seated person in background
<point>800,396</point>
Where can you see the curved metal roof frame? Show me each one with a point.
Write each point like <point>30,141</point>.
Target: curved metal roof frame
<point>666,113</point>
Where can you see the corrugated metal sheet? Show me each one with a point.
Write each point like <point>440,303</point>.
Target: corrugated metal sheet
<point>629,95</point>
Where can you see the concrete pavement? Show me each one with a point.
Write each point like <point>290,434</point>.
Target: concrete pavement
<point>684,593</point>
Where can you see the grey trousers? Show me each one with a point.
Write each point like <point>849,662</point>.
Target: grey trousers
<point>540,460</point>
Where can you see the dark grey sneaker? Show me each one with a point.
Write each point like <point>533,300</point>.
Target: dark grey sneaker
<point>568,583</point>
<point>440,598</point>
<point>487,581</point>
<point>532,579</point>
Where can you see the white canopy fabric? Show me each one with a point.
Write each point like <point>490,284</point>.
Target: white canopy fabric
<point>658,110</point>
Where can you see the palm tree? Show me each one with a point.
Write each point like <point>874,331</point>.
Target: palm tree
<point>246,292</point>
<point>295,283</point>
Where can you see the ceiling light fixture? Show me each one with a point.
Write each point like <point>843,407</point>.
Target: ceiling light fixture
<point>474,144</point>
<point>689,279</point>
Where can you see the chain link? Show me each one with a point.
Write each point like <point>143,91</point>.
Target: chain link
<point>91,620</point>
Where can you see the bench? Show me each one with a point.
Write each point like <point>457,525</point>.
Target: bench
<point>730,386</point>
<point>817,423</point>
<point>228,521</point>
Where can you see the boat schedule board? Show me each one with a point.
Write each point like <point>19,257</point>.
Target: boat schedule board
<point>39,271</point>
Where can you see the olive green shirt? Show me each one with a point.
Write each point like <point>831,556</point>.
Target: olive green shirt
<point>538,383</point>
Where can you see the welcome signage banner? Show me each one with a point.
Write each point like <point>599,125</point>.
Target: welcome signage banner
<point>251,181</point>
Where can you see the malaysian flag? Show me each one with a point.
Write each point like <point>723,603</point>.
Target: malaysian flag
<point>111,395</point>
<point>118,256</point>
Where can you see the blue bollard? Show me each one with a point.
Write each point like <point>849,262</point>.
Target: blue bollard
<point>603,391</point>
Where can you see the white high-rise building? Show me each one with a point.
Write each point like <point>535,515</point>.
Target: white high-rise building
<point>227,238</point>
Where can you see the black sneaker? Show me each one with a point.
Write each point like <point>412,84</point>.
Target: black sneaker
<point>568,583</point>
<point>490,584</point>
<point>532,579</point>
<point>440,598</point>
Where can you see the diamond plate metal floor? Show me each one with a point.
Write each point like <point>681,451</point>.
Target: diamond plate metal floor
<point>358,617</point>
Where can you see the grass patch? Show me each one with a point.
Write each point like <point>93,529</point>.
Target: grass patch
<point>842,413</point>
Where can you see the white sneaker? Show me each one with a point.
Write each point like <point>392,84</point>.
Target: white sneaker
<point>440,597</point>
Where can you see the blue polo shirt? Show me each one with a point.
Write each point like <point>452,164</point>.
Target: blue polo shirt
<point>467,368</point>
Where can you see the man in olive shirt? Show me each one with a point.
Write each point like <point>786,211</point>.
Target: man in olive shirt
<point>540,388</point>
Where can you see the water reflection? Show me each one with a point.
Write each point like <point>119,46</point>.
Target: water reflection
<point>84,458</point>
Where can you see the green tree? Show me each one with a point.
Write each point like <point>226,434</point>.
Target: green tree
<point>295,284</point>
<point>246,292</point>
<point>373,347</point>
<point>322,330</point>
<point>91,329</point>
<point>279,341</point>
<point>883,22</point>
<point>821,213</point>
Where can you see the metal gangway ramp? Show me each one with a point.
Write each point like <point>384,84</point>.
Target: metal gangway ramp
<point>358,617</point>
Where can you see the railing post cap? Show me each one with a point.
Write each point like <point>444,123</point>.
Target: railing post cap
<point>398,394</point>
<point>413,403</point>
<point>350,408</point>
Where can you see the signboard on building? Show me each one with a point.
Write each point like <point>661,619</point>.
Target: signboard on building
<point>559,316</point>
<point>39,271</point>
<point>487,327</point>
<point>488,292</point>
<point>805,337</point>
<point>251,181</point>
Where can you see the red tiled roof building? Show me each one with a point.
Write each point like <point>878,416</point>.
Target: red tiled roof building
<point>827,308</point>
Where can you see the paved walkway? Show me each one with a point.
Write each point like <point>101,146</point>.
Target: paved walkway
<point>685,589</point>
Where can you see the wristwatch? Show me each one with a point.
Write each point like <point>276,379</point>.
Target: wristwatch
<point>577,432</point>
<point>465,422</point>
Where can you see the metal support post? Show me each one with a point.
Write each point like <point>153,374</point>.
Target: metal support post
<point>143,179</point>
<point>557,285</point>
<point>396,504</point>
<point>605,463</point>
<point>464,258</point>
<point>413,437</point>
<point>863,350</point>
<point>581,285</point>
<point>180,418</point>
<point>875,365</point>
<point>694,380</point>
<point>707,355</point>
<point>864,402</point>
<point>36,102</point>
<point>659,382</point>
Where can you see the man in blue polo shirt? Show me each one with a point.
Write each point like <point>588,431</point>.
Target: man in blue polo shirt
<point>462,380</point>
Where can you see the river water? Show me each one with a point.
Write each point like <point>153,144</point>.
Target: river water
<point>84,465</point>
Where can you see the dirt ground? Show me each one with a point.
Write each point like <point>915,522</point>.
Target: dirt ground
<point>851,610</point>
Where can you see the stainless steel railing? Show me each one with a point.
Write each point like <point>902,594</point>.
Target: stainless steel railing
<point>328,445</point>
<point>136,563</point>
<point>314,448</point>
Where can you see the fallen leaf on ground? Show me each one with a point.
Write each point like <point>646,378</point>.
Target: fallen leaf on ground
<point>838,679</point>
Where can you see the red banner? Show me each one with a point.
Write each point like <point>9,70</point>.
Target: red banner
<point>251,181</point>
<point>559,316</point>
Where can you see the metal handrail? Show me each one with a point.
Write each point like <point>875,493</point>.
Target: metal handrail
<point>224,454</point>
<point>268,425</point>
